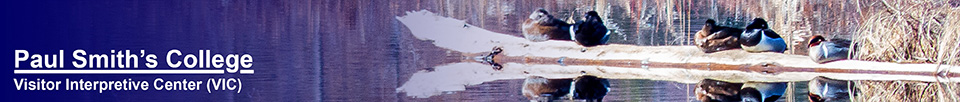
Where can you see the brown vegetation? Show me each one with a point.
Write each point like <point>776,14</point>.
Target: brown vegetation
<point>906,91</point>
<point>909,32</point>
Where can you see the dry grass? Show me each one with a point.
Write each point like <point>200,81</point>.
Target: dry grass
<point>905,91</point>
<point>908,32</point>
<point>951,47</point>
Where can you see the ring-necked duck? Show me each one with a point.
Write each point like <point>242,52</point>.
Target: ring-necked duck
<point>758,37</point>
<point>822,50</point>
<point>590,31</point>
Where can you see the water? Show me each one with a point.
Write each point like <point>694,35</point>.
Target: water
<point>367,54</point>
<point>357,50</point>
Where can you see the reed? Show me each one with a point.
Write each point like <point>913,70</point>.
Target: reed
<point>908,32</point>
<point>904,91</point>
<point>925,31</point>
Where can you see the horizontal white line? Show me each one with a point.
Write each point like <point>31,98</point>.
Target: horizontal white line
<point>210,71</point>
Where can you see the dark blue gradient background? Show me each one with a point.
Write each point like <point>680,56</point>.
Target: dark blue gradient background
<point>282,36</point>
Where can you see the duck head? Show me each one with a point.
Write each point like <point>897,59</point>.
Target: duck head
<point>709,23</point>
<point>758,23</point>
<point>752,34</point>
<point>540,15</point>
<point>700,37</point>
<point>815,40</point>
<point>593,17</point>
<point>814,50</point>
<point>750,95</point>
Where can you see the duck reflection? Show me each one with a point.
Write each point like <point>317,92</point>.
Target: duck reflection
<point>590,88</point>
<point>762,91</point>
<point>540,89</point>
<point>585,87</point>
<point>710,90</point>
<point>823,89</point>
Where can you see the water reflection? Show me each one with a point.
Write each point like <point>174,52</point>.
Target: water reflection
<point>679,65</point>
<point>823,89</point>
<point>583,88</point>
<point>714,90</point>
<point>710,90</point>
<point>544,90</point>
<point>589,88</point>
<point>453,77</point>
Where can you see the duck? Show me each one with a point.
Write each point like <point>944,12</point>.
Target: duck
<point>710,90</point>
<point>590,88</point>
<point>712,38</point>
<point>822,50</point>
<point>590,31</point>
<point>823,89</point>
<point>762,91</point>
<point>757,37</point>
<point>540,89</point>
<point>541,26</point>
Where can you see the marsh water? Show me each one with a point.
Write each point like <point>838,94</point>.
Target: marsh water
<point>367,54</point>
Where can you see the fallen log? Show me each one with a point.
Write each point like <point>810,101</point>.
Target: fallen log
<point>685,64</point>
